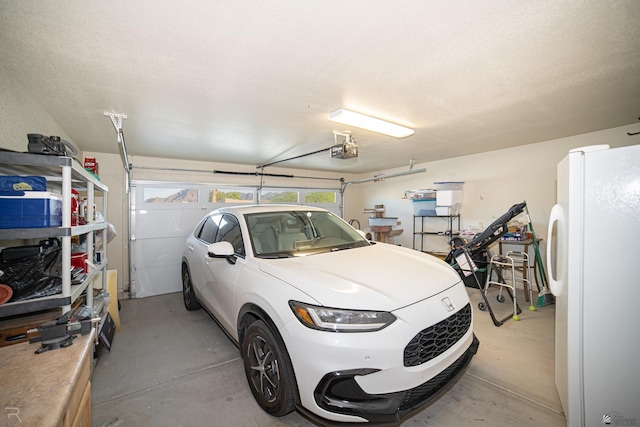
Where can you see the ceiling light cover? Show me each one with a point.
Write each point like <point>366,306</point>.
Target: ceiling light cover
<point>370,123</point>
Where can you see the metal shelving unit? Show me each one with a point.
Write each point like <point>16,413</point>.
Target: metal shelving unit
<point>453,228</point>
<point>62,173</point>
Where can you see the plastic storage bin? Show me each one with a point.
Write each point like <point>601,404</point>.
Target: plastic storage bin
<point>448,185</point>
<point>424,207</point>
<point>79,260</point>
<point>31,209</point>
<point>383,222</point>
<point>448,197</point>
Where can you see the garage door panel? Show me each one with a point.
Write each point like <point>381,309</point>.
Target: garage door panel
<point>158,280</point>
<point>159,252</point>
<point>167,223</point>
<point>163,215</point>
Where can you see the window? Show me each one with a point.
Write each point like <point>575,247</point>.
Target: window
<point>229,231</point>
<point>319,197</point>
<point>209,229</point>
<point>279,196</point>
<point>169,195</point>
<point>230,195</point>
<point>330,226</point>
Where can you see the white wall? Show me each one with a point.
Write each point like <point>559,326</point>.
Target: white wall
<point>494,181</point>
<point>20,114</point>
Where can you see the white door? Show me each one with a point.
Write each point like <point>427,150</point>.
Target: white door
<point>162,216</point>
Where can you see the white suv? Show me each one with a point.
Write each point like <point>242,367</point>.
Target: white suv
<point>327,322</point>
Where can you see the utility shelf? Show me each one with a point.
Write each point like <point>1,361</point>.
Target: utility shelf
<point>452,229</point>
<point>62,174</point>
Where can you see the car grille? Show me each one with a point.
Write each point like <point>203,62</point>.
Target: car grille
<point>418,396</point>
<point>436,339</point>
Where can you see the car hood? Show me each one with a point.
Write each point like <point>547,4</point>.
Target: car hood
<point>377,277</point>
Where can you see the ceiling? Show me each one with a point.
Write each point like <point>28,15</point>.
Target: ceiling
<point>253,82</point>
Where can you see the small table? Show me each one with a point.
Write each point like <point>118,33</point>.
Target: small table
<point>525,244</point>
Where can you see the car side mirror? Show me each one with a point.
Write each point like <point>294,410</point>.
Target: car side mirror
<point>221,250</point>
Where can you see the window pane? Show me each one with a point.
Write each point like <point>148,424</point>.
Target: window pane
<point>170,195</point>
<point>229,231</point>
<point>275,196</point>
<point>320,197</point>
<point>209,229</point>
<point>226,195</point>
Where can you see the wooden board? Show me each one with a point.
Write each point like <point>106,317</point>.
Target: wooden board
<point>112,288</point>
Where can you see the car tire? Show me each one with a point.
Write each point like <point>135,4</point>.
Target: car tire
<point>268,370</point>
<point>188,295</point>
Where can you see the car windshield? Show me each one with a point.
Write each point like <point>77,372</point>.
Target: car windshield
<point>297,233</point>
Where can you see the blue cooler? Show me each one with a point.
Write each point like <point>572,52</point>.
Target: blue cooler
<point>11,183</point>
<point>30,209</point>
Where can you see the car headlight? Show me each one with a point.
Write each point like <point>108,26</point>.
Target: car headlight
<point>341,320</point>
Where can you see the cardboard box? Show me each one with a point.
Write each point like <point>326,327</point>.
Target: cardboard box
<point>91,164</point>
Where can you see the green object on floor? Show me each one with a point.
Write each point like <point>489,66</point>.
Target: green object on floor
<point>545,297</point>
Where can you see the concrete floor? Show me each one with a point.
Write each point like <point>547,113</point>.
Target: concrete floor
<point>171,367</point>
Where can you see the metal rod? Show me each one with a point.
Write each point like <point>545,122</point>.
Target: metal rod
<point>375,178</point>
<point>125,161</point>
<point>213,171</point>
<point>385,176</point>
<point>293,158</point>
<point>116,120</point>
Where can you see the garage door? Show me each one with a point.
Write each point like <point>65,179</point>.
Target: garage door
<point>163,214</point>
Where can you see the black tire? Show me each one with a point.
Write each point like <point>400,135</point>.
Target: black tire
<point>189,297</point>
<point>268,370</point>
<point>481,306</point>
<point>500,298</point>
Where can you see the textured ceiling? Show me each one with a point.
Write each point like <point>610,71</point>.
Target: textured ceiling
<point>253,82</point>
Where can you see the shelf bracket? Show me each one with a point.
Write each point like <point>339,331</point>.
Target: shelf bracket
<point>116,119</point>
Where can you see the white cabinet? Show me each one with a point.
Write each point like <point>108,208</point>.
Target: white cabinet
<point>62,174</point>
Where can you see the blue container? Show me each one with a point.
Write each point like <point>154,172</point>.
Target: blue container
<point>11,183</point>
<point>31,209</point>
<point>426,207</point>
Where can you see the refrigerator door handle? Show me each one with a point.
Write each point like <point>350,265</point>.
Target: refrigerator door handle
<point>555,283</point>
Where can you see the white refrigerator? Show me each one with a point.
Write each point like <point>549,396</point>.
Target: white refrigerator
<point>593,258</point>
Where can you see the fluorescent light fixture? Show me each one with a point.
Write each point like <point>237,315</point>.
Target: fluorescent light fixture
<point>370,123</point>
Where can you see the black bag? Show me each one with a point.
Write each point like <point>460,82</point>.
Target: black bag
<point>32,271</point>
<point>52,145</point>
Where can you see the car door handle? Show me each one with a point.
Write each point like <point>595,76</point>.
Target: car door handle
<point>190,248</point>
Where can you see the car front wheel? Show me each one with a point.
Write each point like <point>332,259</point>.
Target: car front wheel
<point>189,297</point>
<point>268,370</point>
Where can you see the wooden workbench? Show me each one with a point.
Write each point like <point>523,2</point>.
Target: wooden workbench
<point>48,389</point>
